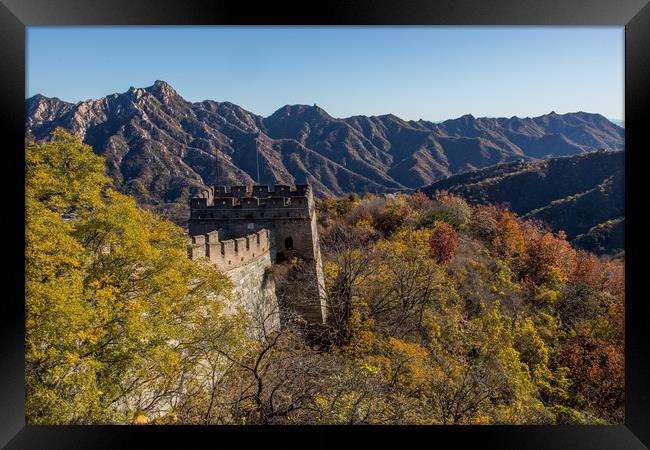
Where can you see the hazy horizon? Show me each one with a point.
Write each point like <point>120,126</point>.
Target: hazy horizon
<point>429,73</point>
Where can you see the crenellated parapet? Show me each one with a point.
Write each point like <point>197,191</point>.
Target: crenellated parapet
<point>276,226</point>
<point>242,203</point>
<point>230,253</point>
<point>219,196</point>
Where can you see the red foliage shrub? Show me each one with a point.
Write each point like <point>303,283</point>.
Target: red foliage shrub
<point>443,243</point>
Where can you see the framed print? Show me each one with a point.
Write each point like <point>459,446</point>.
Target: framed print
<point>418,218</point>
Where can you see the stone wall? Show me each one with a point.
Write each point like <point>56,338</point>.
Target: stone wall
<point>254,291</point>
<point>305,291</point>
<point>238,194</point>
<point>246,261</point>
<point>281,223</point>
<point>231,253</point>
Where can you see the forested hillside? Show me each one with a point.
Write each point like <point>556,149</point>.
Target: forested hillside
<point>581,195</point>
<point>438,313</point>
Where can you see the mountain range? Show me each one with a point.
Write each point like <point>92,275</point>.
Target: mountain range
<point>162,148</point>
<point>582,195</point>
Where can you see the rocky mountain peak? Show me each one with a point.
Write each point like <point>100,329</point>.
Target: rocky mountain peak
<point>41,108</point>
<point>300,111</point>
<point>163,91</point>
<point>136,93</point>
<point>162,148</point>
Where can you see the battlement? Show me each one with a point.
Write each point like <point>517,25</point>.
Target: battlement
<point>231,253</point>
<point>222,196</point>
<point>256,203</point>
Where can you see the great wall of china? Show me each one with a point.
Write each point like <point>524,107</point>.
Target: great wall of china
<point>245,231</point>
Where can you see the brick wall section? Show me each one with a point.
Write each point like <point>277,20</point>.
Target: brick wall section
<point>281,221</point>
<point>231,253</point>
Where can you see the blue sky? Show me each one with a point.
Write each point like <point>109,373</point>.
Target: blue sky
<point>431,73</point>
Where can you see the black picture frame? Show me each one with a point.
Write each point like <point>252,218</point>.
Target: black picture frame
<point>16,15</point>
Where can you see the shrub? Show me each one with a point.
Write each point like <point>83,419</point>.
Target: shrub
<point>448,208</point>
<point>443,243</point>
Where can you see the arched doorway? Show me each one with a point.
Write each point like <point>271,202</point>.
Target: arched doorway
<point>288,243</point>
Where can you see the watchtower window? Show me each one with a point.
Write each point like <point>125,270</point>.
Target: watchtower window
<point>288,243</point>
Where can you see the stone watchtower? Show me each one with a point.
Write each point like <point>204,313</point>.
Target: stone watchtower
<point>238,228</point>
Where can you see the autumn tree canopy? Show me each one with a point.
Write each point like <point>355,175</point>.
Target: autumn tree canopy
<point>439,313</point>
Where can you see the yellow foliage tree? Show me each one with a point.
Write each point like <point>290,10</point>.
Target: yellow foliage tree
<point>110,293</point>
